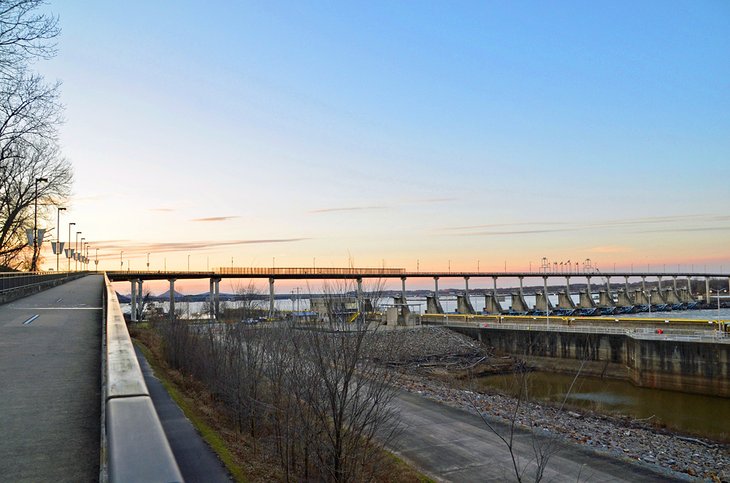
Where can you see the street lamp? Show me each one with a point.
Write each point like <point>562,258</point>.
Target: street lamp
<point>718,292</point>
<point>58,238</point>
<point>76,252</point>
<point>648,294</point>
<point>81,257</point>
<point>96,261</point>
<point>34,261</point>
<point>148,262</point>
<point>121,260</point>
<point>68,253</point>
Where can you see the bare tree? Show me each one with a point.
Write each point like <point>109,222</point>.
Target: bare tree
<point>25,34</point>
<point>17,195</point>
<point>29,115</point>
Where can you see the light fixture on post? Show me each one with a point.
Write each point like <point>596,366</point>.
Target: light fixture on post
<point>76,252</point>
<point>34,260</point>
<point>68,250</point>
<point>59,247</point>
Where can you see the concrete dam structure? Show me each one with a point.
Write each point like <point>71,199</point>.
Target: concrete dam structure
<point>645,359</point>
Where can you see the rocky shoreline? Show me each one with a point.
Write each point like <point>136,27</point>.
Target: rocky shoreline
<point>421,372</point>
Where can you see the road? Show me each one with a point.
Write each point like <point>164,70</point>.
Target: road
<point>50,370</point>
<point>453,445</point>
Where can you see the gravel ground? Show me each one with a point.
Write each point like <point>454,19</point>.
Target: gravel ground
<point>421,349</point>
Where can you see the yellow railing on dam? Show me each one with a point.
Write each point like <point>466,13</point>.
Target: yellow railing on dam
<point>577,320</point>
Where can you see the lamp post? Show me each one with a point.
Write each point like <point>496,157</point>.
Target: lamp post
<point>718,292</point>
<point>86,256</point>
<point>58,238</point>
<point>96,261</point>
<point>34,260</point>
<point>81,257</point>
<point>76,252</point>
<point>121,260</point>
<point>69,245</point>
<point>148,262</point>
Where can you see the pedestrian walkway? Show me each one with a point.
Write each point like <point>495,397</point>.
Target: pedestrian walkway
<point>50,369</point>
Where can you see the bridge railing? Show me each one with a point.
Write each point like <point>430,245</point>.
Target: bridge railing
<point>307,271</point>
<point>16,280</point>
<point>134,444</point>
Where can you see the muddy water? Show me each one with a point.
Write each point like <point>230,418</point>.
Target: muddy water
<point>687,413</point>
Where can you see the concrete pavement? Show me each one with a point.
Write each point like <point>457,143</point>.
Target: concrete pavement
<point>453,445</point>
<point>50,387</point>
<point>197,462</point>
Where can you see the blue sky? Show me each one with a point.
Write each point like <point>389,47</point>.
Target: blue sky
<point>397,132</point>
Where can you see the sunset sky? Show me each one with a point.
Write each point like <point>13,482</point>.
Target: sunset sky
<point>397,133</point>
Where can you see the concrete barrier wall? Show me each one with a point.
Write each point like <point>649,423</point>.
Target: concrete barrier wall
<point>700,367</point>
<point>135,445</point>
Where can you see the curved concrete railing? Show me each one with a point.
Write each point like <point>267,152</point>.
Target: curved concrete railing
<point>135,447</point>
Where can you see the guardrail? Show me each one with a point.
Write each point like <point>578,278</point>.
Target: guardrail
<point>634,332</point>
<point>16,280</point>
<point>134,445</point>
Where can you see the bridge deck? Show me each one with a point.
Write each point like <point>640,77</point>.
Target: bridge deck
<point>50,371</point>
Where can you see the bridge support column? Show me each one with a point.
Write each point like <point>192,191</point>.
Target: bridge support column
<point>272,295</point>
<point>359,295</point>
<point>436,288</point>
<point>659,283</point>
<point>567,286</point>
<point>608,285</point>
<point>172,300</point>
<point>674,283</point>
<point>217,295</point>
<point>133,308</point>
<point>707,290</point>
<point>588,287</point>
<point>626,283</point>
<point>547,299</point>
<point>521,292</point>
<point>211,300</point>
<point>140,300</point>
<point>494,280</point>
<point>403,288</point>
<point>689,286</point>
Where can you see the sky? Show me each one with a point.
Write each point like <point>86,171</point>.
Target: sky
<point>427,135</point>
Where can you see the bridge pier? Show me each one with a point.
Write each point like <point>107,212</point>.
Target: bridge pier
<point>588,287</point>
<point>689,286</point>
<point>211,299</point>
<point>494,280</point>
<point>707,290</point>
<point>272,296</point>
<point>491,304</point>
<point>140,299</point>
<point>359,294</point>
<point>463,303</point>
<point>133,308</point>
<point>172,300</point>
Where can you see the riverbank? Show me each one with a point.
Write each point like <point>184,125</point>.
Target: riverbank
<point>433,363</point>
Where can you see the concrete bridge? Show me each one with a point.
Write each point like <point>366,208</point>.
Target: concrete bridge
<point>671,293</point>
<point>79,405</point>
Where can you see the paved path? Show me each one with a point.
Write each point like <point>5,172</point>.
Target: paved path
<point>197,462</point>
<point>453,445</point>
<point>50,370</point>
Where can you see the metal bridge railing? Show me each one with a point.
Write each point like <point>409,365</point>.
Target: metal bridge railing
<point>634,332</point>
<point>307,271</point>
<point>16,280</point>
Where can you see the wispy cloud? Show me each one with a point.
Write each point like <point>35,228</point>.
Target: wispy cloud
<point>609,249</point>
<point>349,208</point>
<point>132,248</point>
<point>215,218</point>
<point>679,223</point>
<point>164,210</point>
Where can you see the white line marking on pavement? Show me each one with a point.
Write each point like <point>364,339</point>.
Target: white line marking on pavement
<point>31,319</point>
